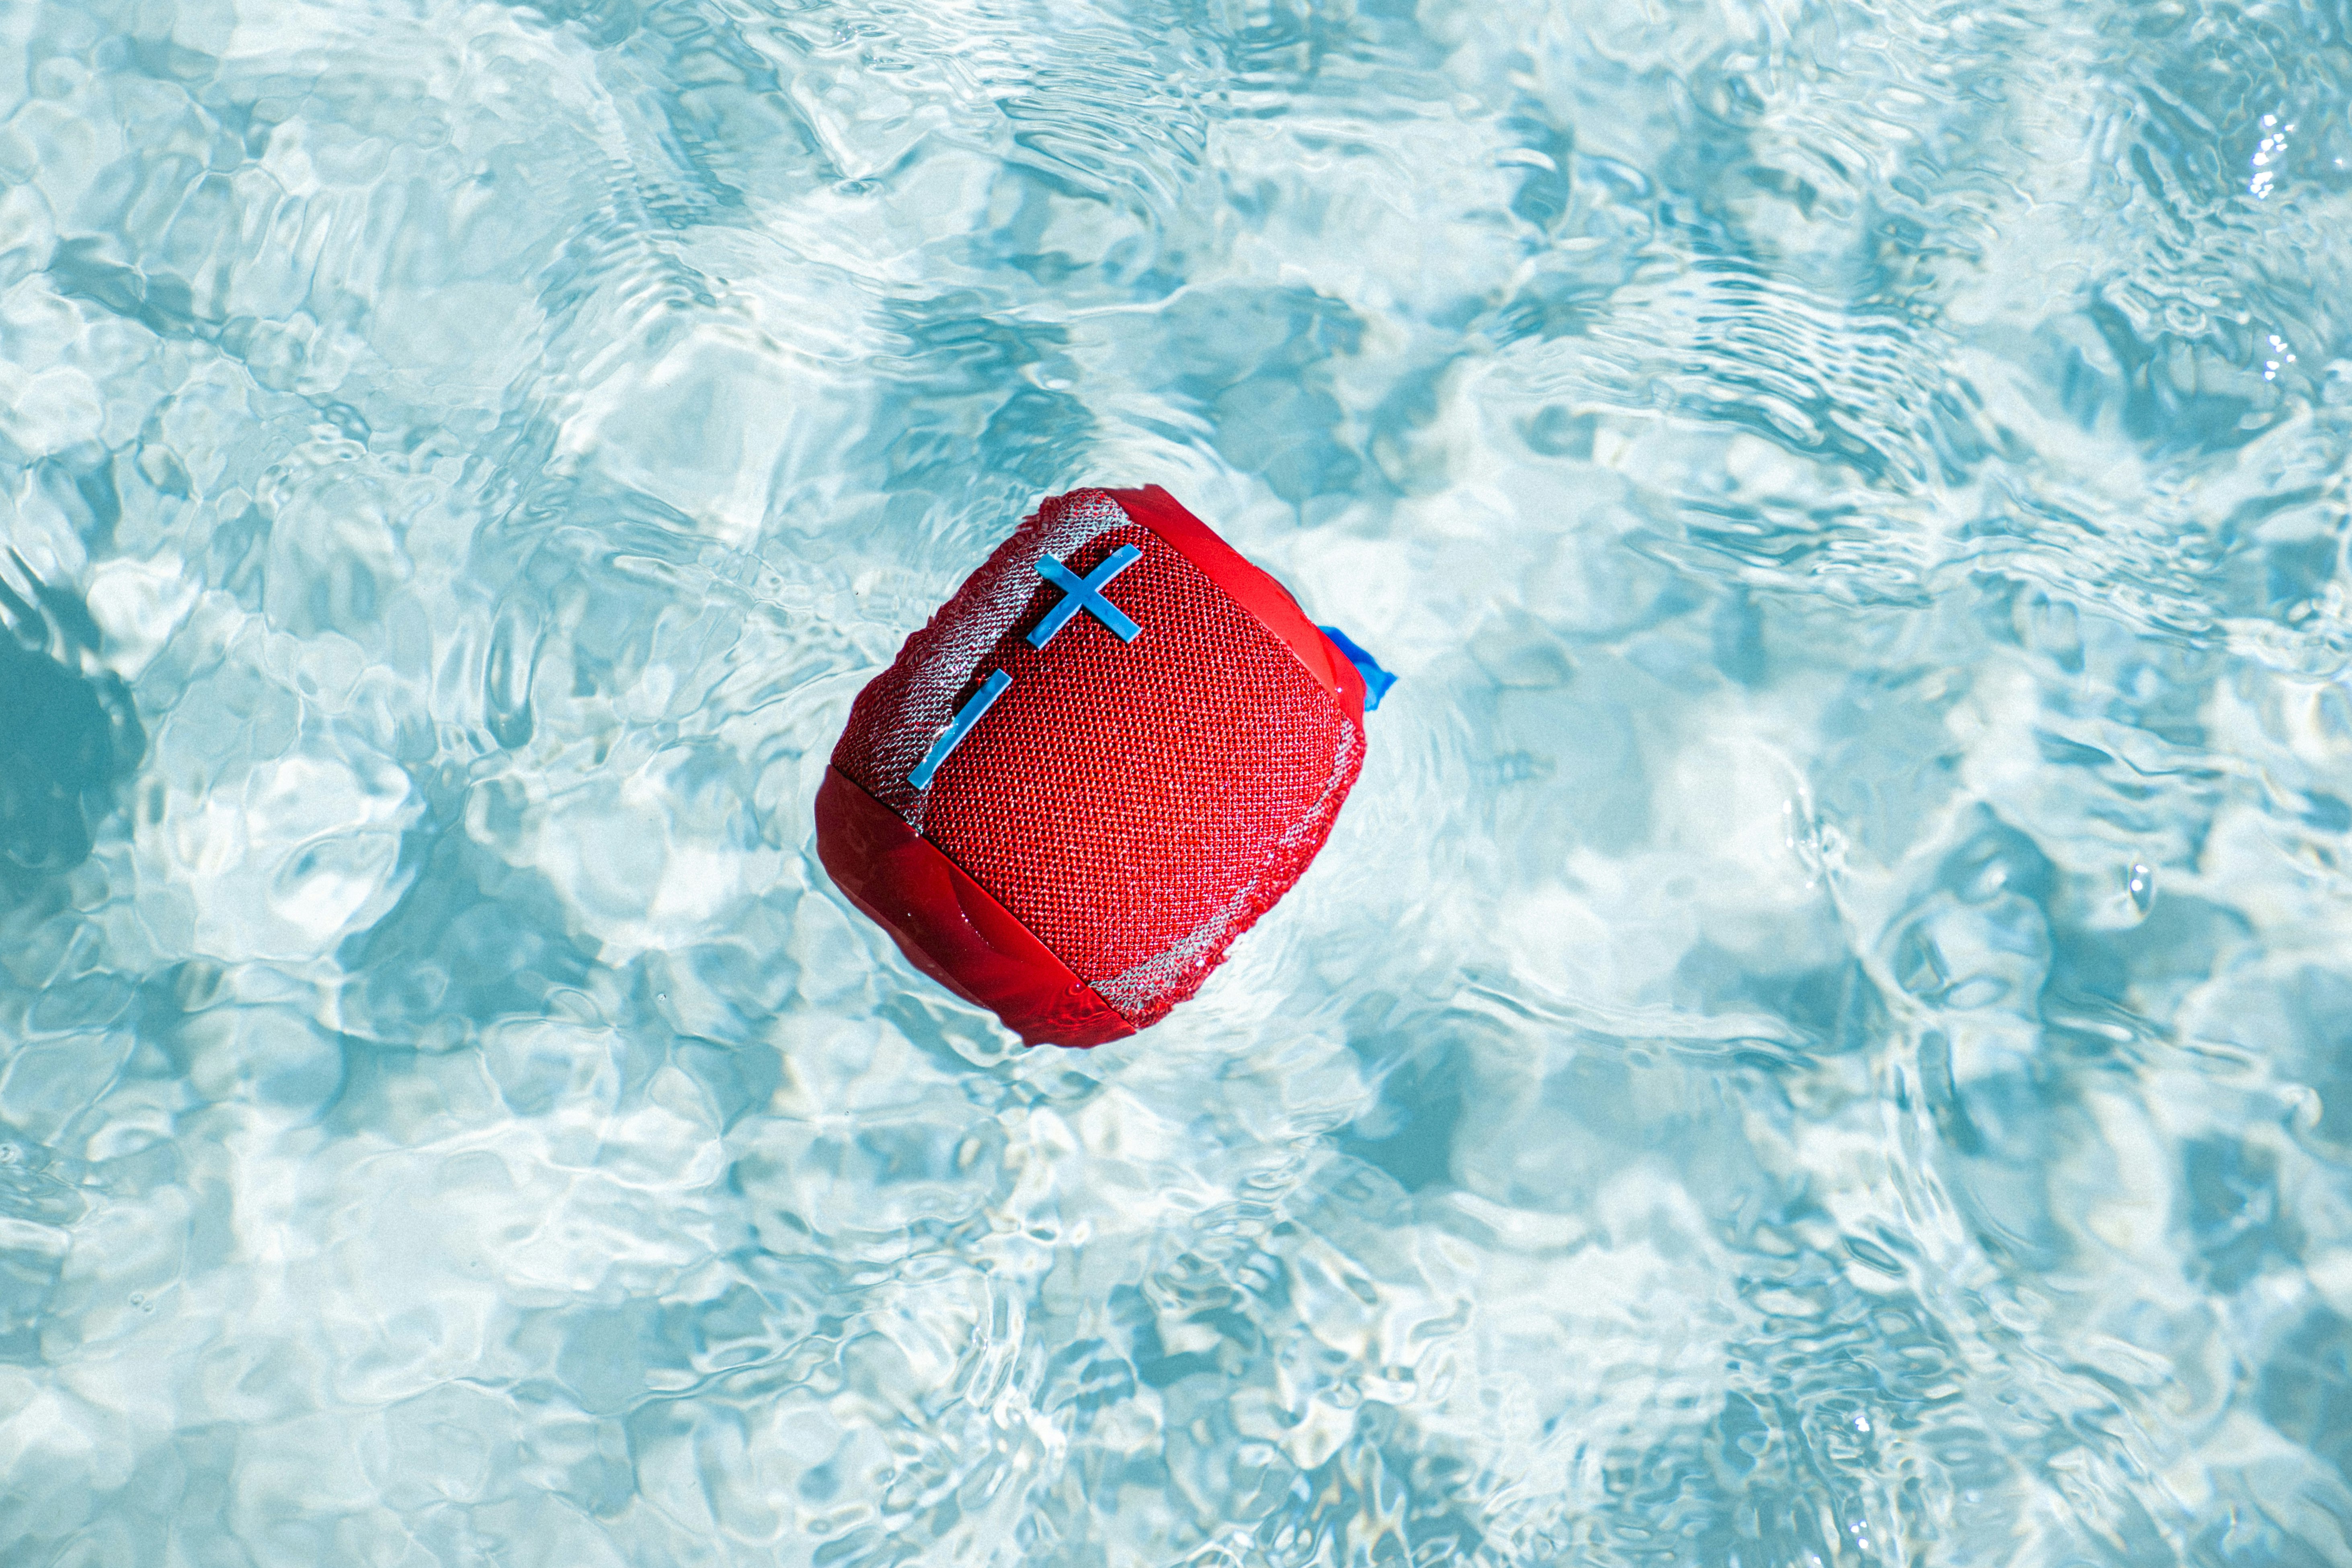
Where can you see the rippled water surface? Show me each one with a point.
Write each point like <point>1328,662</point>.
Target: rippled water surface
<point>1824,1035</point>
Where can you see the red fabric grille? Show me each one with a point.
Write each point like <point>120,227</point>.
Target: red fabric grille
<point>1136,805</point>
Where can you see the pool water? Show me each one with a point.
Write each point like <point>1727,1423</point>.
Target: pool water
<point>1823,1038</point>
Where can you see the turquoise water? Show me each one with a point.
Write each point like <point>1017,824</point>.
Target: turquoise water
<point>1824,1037</point>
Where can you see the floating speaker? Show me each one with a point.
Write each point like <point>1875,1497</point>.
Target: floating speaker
<point>1102,760</point>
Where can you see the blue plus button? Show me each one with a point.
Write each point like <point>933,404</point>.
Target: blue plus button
<point>1086,594</point>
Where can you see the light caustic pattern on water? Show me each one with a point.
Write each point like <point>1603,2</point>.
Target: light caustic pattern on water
<point>1824,1035</point>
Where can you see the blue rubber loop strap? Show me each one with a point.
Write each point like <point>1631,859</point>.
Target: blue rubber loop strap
<point>977,703</point>
<point>1377,680</point>
<point>1086,594</point>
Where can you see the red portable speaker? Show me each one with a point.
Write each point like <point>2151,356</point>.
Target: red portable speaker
<point>1110,752</point>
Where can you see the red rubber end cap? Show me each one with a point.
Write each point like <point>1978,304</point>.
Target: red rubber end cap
<point>948,925</point>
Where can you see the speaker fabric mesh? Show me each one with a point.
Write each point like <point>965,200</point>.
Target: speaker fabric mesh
<point>1135,804</point>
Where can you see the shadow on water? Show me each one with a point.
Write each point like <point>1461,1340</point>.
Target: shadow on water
<point>68,735</point>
